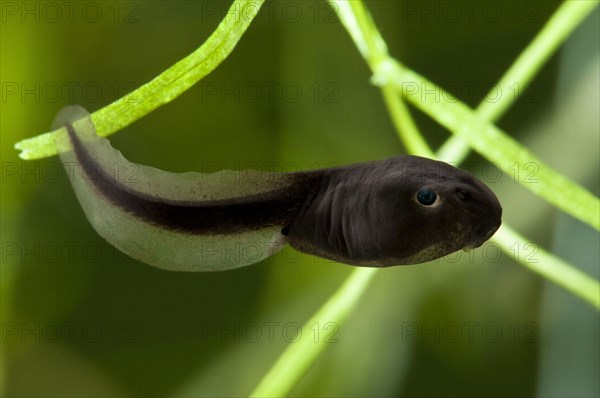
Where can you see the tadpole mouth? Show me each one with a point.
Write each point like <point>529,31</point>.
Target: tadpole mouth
<point>487,236</point>
<point>481,241</point>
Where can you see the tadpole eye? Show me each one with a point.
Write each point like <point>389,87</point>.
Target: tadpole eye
<point>426,197</point>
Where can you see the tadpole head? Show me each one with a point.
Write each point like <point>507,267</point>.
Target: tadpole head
<point>438,209</point>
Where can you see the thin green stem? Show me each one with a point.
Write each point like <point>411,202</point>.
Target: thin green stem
<point>297,358</point>
<point>375,52</point>
<point>165,87</point>
<point>551,267</point>
<point>405,126</point>
<point>516,79</point>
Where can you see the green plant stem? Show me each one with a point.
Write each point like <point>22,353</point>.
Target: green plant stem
<point>374,50</point>
<point>558,28</point>
<point>298,357</point>
<point>405,126</point>
<point>551,267</point>
<point>165,87</point>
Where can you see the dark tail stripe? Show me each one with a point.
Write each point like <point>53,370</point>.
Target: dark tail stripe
<point>247,213</point>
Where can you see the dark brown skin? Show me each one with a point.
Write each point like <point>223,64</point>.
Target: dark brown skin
<point>368,214</point>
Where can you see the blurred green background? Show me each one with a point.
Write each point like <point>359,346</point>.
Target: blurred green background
<point>81,319</point>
